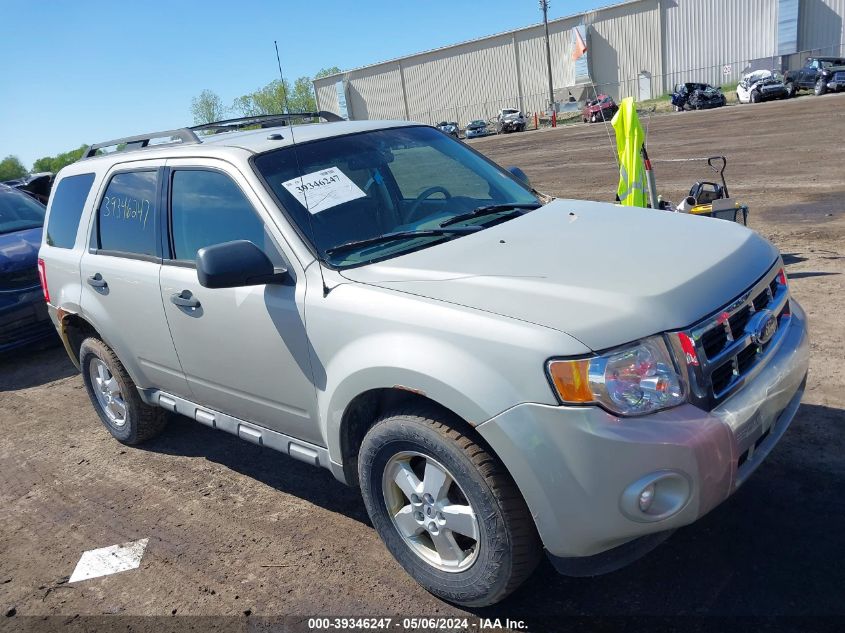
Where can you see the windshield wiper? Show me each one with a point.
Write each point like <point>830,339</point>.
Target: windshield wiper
<point>400,235</point>
<point>489,210</point>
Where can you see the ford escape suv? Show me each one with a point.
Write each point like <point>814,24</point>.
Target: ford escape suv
<point>501,373</point>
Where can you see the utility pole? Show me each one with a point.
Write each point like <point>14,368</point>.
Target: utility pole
<point>544,6</point>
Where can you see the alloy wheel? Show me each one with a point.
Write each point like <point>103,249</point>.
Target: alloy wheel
<point>430,511</point>
<point>107,391</point>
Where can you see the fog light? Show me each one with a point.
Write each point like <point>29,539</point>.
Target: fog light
<point>646,498</point>
<point>656,496</point>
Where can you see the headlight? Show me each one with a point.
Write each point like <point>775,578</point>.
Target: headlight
<point>634,380</point>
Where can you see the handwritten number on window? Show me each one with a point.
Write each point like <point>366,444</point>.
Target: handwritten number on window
<point>127,209</point>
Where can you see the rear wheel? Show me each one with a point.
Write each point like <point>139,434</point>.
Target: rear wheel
<point>790,89</point>
<point>756,97</point>
<point>446,508</point>
<point>115,397</point>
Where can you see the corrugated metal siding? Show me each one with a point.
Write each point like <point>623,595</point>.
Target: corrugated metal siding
<point>702,36</point>
<point>327,94</point>
<point>531,44</point>
<point>624,41</point>
<point>462,82</point>
<point>669,40</point>
<point>375,93</point>
<point>821,27</point>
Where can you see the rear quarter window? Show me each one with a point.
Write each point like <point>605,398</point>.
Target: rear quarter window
<point>66,210</point>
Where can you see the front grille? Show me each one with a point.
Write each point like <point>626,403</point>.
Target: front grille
<point>839,76</point>
<point>18,279</point>
<point>728,349</point>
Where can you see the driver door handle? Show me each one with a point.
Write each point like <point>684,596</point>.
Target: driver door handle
<point>185,299</point>
<point>97,281</point>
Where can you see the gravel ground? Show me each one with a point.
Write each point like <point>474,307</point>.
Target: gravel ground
<point>239,530</point>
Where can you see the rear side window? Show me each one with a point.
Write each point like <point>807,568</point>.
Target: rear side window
<point>127,214</point>
<point>66,209</point>
<point>208,208</point>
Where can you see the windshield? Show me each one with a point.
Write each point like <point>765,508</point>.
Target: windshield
<point>19,212</point>
<point>362,186</point>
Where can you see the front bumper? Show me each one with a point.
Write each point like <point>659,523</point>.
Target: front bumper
<point>576,466</point>
<point>23,318</point>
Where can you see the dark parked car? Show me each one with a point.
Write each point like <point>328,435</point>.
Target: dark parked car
<point>602,108</point>
<point>697,96</point>
<point>819,74</point>
<point>23,311</point>
<point>36,185</point>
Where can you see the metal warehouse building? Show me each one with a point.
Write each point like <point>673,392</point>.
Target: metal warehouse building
<point>639,48</point>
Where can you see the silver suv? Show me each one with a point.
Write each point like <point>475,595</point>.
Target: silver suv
<point>500,372</point>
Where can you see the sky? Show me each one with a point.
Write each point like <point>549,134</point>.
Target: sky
<point>87,71</point>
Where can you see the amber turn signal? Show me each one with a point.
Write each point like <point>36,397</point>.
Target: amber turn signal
<point>571,380</point>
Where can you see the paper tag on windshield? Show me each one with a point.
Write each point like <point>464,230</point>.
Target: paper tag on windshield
<point>324,189</point>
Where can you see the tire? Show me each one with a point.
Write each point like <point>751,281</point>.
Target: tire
<point>790,90</point>
<point>756,97</point>
<point>478,570</point>
<point>139,421</point>
<point>821,88</point>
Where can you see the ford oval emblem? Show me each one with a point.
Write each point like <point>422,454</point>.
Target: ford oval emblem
<point>762,327</point>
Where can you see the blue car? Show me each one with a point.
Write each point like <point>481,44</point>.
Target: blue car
<point>23,310</point>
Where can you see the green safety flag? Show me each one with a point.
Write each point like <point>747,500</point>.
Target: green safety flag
<point>629,143</point>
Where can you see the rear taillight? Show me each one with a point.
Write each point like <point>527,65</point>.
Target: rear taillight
<point>42,275</point>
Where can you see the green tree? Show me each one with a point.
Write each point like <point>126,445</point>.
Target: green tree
<point>207,107</point>
<point>55,163</point>
<point>267,100</point>
<point>11,168</point>
<point>302,96</point>
<point>325,72</point>
<point>271,99</point>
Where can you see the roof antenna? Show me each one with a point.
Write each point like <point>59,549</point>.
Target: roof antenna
<point>299,169</point>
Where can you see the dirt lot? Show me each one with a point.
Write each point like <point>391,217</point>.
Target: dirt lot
<point>235,529</point>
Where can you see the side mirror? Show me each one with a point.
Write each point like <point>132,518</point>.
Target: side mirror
<point>520,175</point>
<point>236,264</point>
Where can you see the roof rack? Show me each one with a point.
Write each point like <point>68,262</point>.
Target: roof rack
<point>187,135</point>
<point>263,121</point>
<point>184,135</point>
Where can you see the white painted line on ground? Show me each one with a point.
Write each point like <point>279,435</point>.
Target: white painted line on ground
<point>109,560</point>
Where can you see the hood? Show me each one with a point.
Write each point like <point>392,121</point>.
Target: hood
<point>761,75</point>
<point>604,274</point>
<point>19,249</point>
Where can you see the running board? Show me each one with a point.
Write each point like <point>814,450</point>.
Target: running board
<point>303,451</point>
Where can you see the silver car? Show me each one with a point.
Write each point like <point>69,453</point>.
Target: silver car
<point>502,374</point>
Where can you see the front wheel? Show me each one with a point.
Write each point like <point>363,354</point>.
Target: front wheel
<point>790,89</point>
<point>756,97</point>
<point>821,88</point>
<point>446,508</point>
